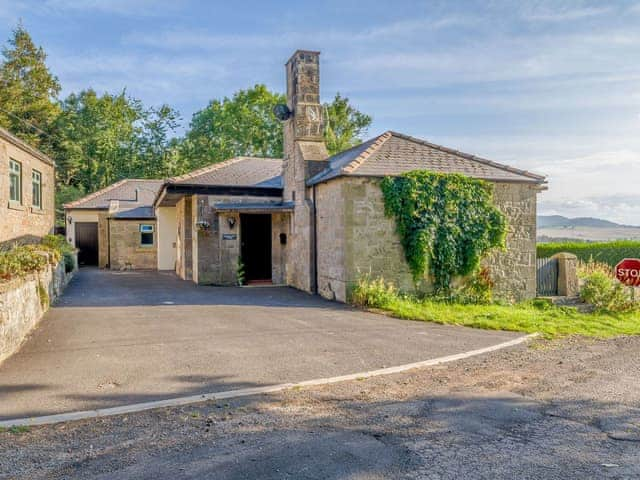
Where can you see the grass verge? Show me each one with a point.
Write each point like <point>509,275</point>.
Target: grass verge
<point>536,316</point>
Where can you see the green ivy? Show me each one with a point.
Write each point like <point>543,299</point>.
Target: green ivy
<point>445,221</point>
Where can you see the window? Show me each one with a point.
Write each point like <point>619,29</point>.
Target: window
<point>146,235</point>
<point>15,181</point>
<point>36,185</point>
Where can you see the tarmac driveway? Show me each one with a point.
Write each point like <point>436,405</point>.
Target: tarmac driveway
<point>126,337</point>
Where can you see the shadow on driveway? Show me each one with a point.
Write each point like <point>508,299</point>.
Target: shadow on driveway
<point>121,338</point>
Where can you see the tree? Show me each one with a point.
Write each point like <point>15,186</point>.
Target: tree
<point>245,125</point>
<point>345,125</point>
<point>241,125</point>
<point>28,91</point>
<point>100,139</point>
<point>157,153</point>
<point>95,138</point>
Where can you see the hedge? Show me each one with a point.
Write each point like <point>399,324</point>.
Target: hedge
<point>605,252</point>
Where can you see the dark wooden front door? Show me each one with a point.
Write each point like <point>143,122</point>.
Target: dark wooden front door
<point>255,231</point>
<point>87,243</point>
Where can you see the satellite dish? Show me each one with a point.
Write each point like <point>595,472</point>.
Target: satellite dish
<point>282,112</point>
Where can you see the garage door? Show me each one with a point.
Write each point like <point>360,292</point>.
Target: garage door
<point>87,242</point>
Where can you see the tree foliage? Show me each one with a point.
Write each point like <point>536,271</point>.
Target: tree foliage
<point>241,125</point>
<point>345,125</point>
<point>446,222</point>
<point>245,125</point>
<point>100,139</point>
<point>28,91</point>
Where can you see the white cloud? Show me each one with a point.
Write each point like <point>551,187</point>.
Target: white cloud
<point>603,184</point>
<point>116,7</point>
<point>561,14</point>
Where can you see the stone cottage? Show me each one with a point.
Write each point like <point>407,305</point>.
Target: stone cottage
<point>115,227</point>
<point>27,206</point>
<point>317,222</point>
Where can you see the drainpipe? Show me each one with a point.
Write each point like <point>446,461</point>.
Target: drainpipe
<point>315,243</point>
<point>108,245</point>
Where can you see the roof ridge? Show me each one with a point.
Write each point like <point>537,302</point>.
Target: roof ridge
<point>469,156</point>
<point>97,193</point>
<point>209,168</point>
<point>362,157</point>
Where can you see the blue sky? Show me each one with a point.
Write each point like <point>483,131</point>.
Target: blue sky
<point>549,86</point>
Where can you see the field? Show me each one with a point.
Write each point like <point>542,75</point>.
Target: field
<point>589,234</point>
<point>605,252</point>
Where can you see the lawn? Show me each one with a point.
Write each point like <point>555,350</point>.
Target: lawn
<point>605,252</point>
<point>536,316</point>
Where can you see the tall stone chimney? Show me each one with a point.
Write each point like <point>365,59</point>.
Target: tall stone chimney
<point>305,154</point>
<point>304,148</point>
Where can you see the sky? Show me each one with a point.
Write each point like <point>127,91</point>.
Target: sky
<point>548,86</point>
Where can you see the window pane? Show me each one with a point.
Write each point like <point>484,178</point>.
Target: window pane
<point>37,189</point>
<point>146,239</point>
<point>15,181</point>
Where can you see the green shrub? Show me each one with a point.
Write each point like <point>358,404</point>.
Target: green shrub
<point>374,293</point>
<point>606,293</point>
<point>240,273</point>
<point>69,262</point>
<point>591,266</point>
<point>476,290</point>
<point>60,244</point>
<point>605,252</point>
<point>43,295</point>
<point>21,261</point>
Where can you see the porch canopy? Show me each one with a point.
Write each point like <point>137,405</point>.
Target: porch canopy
<point>254,207</point>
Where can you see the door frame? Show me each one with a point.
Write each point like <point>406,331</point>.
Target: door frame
<point>97,249</point>
<point>245,218</point>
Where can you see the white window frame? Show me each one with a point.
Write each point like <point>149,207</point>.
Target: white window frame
<point>36,179</point>
<point>15,169</point>
<point>145,229</point>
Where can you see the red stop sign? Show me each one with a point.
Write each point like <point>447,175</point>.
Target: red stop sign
<point>628,271</point>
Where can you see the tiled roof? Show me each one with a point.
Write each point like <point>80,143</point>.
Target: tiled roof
<point>393,154</point>
<point>240,171</point>
<point>125,192</point>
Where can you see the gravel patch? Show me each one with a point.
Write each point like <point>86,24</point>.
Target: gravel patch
<point>563,409</point>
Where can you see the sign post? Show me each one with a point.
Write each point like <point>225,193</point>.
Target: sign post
<point>628,273</point>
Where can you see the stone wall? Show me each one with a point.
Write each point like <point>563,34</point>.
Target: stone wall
<point>126,251</point>
<point>216,249</point>
<point>514,271</point>
<point>370,244</point>
<point>330,218</point>
<point>22,221</point>
<point>104,224</point>
<point>279,226</point>
<point>21,306</point>
<point>184,244</point>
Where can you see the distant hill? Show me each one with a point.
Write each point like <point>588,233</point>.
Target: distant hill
<point>558,221</point>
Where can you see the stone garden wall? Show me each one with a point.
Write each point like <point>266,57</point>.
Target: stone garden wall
<point>23,301</point>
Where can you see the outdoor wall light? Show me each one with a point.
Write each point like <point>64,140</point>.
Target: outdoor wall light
<point>232,222</point>
<point>70,220</point>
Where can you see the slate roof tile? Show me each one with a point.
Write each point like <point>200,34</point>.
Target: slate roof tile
<point>393,153</point>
